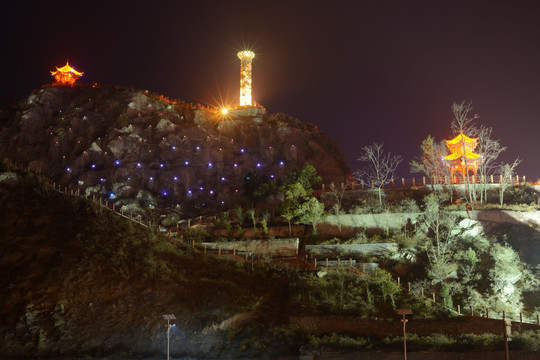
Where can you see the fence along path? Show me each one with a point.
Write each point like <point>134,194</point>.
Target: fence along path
<point>426,294</point>
<point>424,180</point>
<point>177,237</point>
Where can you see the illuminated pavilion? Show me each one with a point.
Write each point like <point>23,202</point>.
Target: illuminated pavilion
<point>462,152</point>
<point>66,75</point>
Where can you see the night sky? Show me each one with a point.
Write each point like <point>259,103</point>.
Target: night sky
<point>385,71</point>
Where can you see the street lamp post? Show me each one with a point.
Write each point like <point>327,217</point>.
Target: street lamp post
<point>404,321</point>
<point>169,317</point>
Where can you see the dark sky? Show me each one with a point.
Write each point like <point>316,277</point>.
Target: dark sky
<point>363,71</point>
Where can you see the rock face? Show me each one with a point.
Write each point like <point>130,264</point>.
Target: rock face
<point>142,151</point>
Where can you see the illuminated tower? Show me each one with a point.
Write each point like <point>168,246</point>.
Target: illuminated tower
<point>245,76</point>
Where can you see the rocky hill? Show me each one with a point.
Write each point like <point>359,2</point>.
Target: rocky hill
<point>143,151</point>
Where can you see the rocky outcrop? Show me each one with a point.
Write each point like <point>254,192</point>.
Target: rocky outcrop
<point>143,151</point>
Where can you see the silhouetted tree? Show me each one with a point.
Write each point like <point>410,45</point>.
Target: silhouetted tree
<point>380,169</point>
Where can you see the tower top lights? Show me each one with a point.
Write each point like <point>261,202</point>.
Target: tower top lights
<point>245,57</point>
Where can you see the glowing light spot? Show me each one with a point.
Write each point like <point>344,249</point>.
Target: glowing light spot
<point>174,147</point>
<point>138,165</point>
<point>198,148</point>
<point>112,195</point>
<point>93,166</point>
<point>281,163</point>
<point>68,169</point>
<point>272,176</point>
<point>222,202</point>
<point>161,165</point>
<point>259,165</point>
<point>186,163</point>
<point>189,192</point>
<point>209,164</point>
<point>175,178</point>
<point>117,162</point>
<point>102,179</point>
<point>242,150</point>
<point>235,165</point>
<point>151,178</point>
<point>224,111</point>
<point>223,178</point>
<point>165,193</point>
<point>201,188</point>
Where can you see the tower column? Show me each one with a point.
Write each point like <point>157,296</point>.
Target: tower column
<point>245,57</point>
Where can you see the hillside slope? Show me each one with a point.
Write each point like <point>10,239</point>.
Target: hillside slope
<point>79,281</point>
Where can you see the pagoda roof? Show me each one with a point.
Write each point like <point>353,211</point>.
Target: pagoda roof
<point>65,69</point>
<point>457,155</point>
<point>459,138</point>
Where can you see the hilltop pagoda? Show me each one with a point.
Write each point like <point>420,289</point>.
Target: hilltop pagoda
<point>66,75</point>
<point>462,158</point>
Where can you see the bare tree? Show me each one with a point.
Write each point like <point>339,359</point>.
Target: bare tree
<point>506,172</point>
<point>463,123</point>
<point>380,169</point>
<point>430,161</point>
<point>490,150</point>
<point>338,192</point>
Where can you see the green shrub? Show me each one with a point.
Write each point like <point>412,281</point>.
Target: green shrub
<point>197,235</point>
<point>408,206</point>
<point>521,194</point>
<point>527,340</point>
<point>338,341</point>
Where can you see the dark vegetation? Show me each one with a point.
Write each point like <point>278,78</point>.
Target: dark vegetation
<point>70,270</point>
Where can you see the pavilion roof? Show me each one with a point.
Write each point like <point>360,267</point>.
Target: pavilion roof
<point>66,69</point>
<point>461,137</point>
<point>457,155</point>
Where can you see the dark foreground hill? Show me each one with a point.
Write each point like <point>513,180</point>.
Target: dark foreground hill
<point>77,281</point>
<point>143,151</point>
